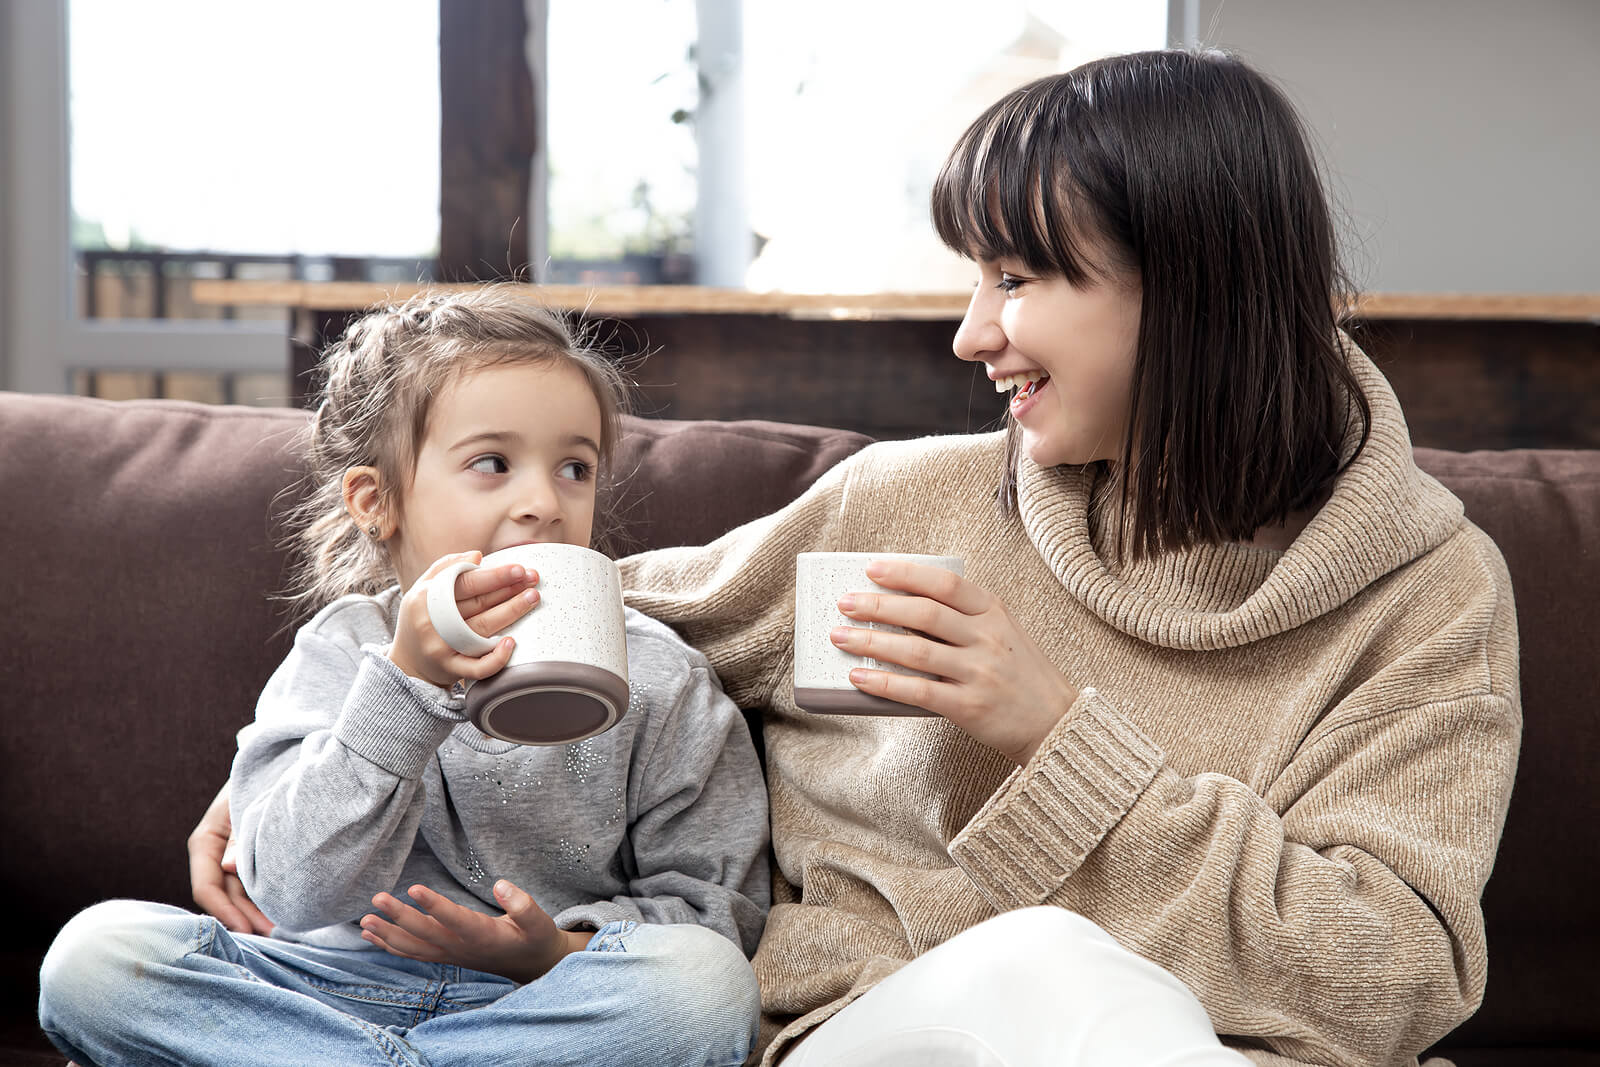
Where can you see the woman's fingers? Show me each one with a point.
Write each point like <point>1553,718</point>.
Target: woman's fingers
<point>244,906</point>
<point>906,650</point>
<point>917,613</point>
<point>935,583</point>
<point>926,693</point>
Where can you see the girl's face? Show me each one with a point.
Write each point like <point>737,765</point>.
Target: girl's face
<point>1075,345</point>
<point>509,458</point>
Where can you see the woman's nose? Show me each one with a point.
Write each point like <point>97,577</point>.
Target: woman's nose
<point>979,334</point>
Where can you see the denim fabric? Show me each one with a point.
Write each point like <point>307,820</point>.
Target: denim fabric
<point>128,982</point>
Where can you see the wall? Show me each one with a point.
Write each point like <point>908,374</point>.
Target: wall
<point>1461,132</point>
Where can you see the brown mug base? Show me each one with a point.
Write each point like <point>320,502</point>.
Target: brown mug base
<point>550,703</point>
<point>850,702</point>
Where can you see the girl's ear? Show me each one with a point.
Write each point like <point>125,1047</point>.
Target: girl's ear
<point>363,501</point>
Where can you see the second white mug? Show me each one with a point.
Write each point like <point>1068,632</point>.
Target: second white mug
<point>821,668</point>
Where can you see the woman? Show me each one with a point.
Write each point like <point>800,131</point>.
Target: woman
<point>1227,704</point>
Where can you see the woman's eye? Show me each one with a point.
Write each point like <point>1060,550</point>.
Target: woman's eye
<point>489,465</point>
<point>1009,283</point>
<point>576,470</point>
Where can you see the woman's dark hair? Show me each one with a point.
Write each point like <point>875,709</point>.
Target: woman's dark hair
<point>1192,173</point>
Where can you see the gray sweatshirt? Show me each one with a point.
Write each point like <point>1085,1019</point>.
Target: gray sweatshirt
<point>355,779</point>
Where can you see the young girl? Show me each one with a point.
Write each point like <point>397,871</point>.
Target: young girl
<point>1227,701</point>
<point>612,887</point>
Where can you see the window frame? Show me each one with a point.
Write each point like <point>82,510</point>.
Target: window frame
<point>43,340</point>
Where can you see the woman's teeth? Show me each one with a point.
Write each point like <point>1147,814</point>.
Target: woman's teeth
<point>1028,383</point>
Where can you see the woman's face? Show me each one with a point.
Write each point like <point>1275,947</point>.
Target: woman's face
<point>1066,353</point>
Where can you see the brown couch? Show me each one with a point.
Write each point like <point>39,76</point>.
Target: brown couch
<point>138,552</point>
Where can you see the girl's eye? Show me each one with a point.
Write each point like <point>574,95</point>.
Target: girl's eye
<point>576,470</point>
<point>1009,283</point>
<point>490,464</point>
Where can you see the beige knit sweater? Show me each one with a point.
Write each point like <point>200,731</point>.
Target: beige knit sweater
<point>1284,780</point>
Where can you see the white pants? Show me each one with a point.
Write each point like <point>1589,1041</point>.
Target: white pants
<point>1027,988</point>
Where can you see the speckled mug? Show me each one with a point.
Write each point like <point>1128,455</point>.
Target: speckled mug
<point>821,668</point>
<point>568,674</point>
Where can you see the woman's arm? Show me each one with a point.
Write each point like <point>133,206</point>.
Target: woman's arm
<point>214,874</point>
<point>733,599</point>
<point>1335,913</point>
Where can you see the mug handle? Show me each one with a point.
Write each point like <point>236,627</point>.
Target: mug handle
<point>445,613</point>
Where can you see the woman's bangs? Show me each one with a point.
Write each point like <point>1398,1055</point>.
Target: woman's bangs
<point>990,201</point>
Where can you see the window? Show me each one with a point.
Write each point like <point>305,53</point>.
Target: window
<point>847,111</point>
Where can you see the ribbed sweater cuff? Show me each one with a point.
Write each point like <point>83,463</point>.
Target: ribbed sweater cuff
<point>1038,827</point>
<point>393,720</point>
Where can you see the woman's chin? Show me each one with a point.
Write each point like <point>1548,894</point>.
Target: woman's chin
<point>1047,453</point>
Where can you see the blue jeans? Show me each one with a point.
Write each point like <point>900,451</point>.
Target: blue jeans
<point>138,983</point>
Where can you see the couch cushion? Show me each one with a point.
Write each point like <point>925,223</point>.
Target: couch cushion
<point>1542,507</point>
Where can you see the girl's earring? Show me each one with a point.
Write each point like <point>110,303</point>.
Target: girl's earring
<point>372,531</point>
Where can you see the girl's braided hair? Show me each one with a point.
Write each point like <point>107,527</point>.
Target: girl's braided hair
<point>378,384</point>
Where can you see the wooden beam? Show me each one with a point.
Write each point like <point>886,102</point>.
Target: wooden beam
<point>488,131</point>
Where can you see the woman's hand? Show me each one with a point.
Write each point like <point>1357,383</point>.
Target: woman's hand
<point>994,682</point>
<point>213,875</point>
<point>521,945</point>
<point>490,599</point>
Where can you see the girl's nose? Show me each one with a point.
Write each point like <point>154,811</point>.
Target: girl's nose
<point>979,335</point>
<point>539,502</point>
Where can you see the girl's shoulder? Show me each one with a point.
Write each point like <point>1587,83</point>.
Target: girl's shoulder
<point>656,651</point>
<point>358,618</point>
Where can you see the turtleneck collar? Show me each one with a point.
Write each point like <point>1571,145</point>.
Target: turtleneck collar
<point>1383,512</point>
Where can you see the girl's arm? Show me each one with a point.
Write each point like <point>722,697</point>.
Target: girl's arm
<point>326,789</point>
<point>327,784</point>
<point>697,848</point>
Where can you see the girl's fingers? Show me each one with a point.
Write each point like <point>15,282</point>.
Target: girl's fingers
<point>481,589</point>
<point>393,939</point>
<point>500,616</point>
<point>403,916</point>
<point>444,561</point>
<point>935,583</point>
<point>478,668</point>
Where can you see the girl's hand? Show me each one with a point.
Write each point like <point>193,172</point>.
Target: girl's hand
<point>994,682</point>
<point>520,945</point>
<point>214,877</point>
<point>490,598</point>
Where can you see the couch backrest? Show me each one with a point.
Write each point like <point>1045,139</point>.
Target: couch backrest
<point>1542,507</point>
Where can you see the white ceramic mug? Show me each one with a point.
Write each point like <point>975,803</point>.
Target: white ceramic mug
<point>568,674</point>
<point>821,668</point>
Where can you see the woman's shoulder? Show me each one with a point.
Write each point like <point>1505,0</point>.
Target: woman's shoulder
<point>943,463</point>
<point>916,452</point>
